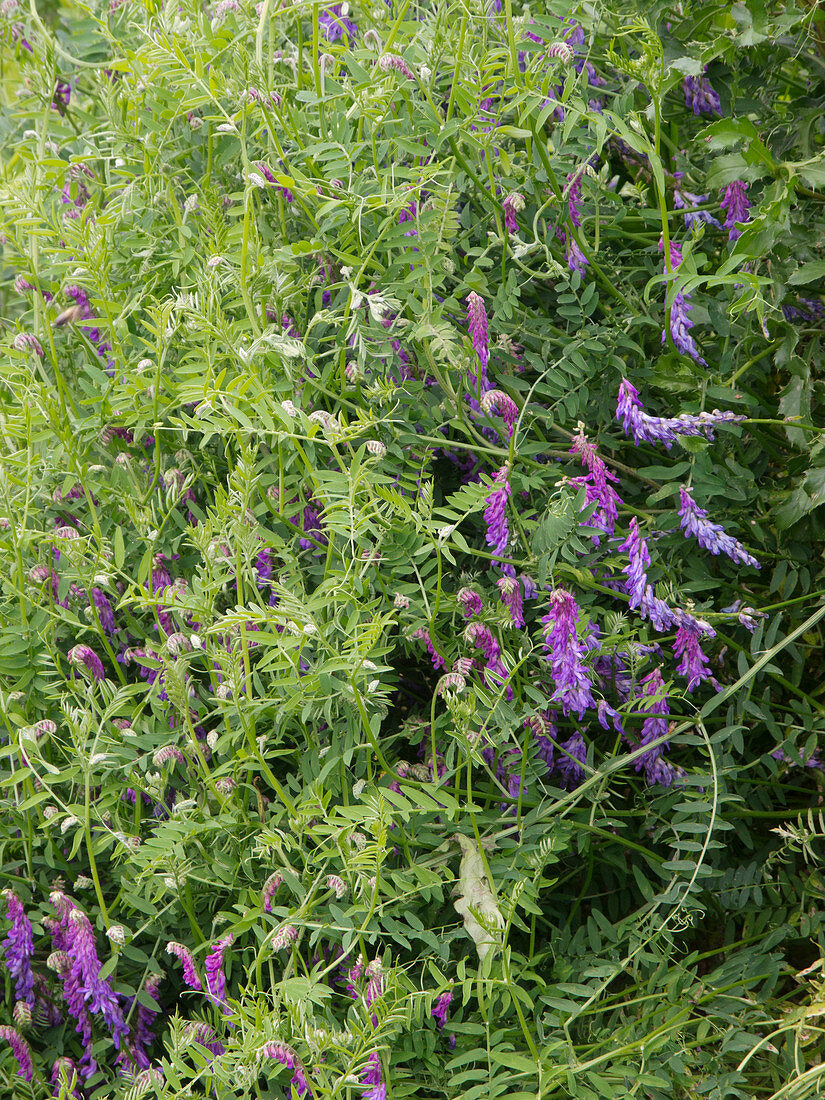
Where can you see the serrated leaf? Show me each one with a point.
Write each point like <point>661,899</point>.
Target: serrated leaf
<point>808,273</point>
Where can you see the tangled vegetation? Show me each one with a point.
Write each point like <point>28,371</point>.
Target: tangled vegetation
<point>411,532</point>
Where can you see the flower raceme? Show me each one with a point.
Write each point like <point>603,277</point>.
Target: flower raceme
<point>693,664</point>
<point>18,949</point>
<point>710,536</point>
<point>495,514</point>
<point>680,322</point>
<point>576,259</point>
<point>215,977</point>
<point>642,596</point>
<point>479,333</point>
<point>596,483</point>
<point>574,688</point>
<point>665,429</point>
<point>20,1050</point>
<point>482,638</point>
<point>735,203</point>
<point>495,401</point>
<point>190,973</point>
<point>700,96</point>
<point>513,204</point>
<point>657,708</point>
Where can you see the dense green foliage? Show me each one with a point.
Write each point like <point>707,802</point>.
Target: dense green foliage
<point>245,463</point>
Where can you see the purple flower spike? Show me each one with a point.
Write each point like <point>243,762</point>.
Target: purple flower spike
<point>27,341</point>
<point>20,1050</point>
<point>280,1052</point>
<point>392,62</point>
<point>69,972</point>
<point>470,602</point>
<point>687,201</point>
<point>372,1076</point>
<point>680,322</point>
<point>495,514</point>
<point>335,25</point>
<point>693,664</point>
<point>98,993</point>
<point>84,656</point>
<point>596,483</point>
<point>665,429</point>
<point>441,1008</point>
<point>636,568</point>
<point>576,259</point>
<point>477,326</point>
<point>700,96</point>
<point>495,401</point>
<point>571,770</point>
<point>641,593</point>
<point>270,887</point>
<point>710,536</point>
<point>215,977</point>
<point>64,1069</point>
<point>143,1037</point>
<point>104,611</point>
<point>512,205</point>
<point>655,725</point>
<point>511,598</point>
<point>574,689</point>
<point>735,203</point>
<point>436,658</point>
<point>190,974</point>
<point>18,949</point>
<point>680,326</point>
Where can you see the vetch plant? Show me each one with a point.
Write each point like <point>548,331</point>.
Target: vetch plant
<point>411,584</point>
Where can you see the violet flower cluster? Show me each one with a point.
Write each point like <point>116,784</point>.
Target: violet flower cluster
<point>574,685</point>
<point>513,204</point>
<point>479,333</point>
<point>700,96</point>
<point>21,1051</point>
<point>280,1052</point>
<point>86,994</point>
<point>689,629</point>
<point>215,977</point>
<point>18,948</point>
<point>82,311</point>
<point>735,203</point>
<point>335,25</point>
<point>710,536</point>
<point>665,429</point>
<point>657,708</point>
<point>190,972</point>
<point>495,514</point>
<point>680,322</point>
<point>577,262</point>
<point>596,483</point>
<point>494,672</point>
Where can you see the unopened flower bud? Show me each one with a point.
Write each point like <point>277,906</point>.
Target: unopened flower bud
<point>337,884</point>
<point>26,341</point>
<point>561,51</point>
<point>176,644</point>
<point>453,681</point>
<point>284,937</point>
